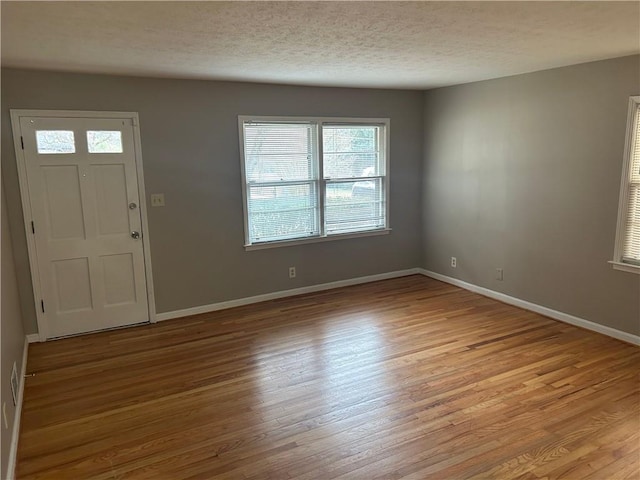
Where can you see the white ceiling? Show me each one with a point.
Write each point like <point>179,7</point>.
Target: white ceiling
<point>361,44</point>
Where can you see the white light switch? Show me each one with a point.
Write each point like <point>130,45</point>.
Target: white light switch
<point>157,199</point>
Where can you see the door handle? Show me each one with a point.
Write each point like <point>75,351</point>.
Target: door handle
<point>135,235</point>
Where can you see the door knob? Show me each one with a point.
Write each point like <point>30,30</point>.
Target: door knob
<point>135,235</point>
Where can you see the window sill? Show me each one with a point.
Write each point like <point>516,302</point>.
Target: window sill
<point>625,267</point>
<point>327,238</point>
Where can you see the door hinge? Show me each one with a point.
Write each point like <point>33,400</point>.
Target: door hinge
<point>42,305</point>
<point>33,227</point>
<point>22,142</point>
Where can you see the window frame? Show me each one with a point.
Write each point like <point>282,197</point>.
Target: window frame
<point>623,204</point>
<point>321,181</point>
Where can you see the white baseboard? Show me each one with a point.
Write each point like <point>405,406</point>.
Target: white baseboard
<point>556,315</point>
<point>284,293</point>
<point>15,433</point>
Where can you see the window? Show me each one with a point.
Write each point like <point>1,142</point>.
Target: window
<point>104,141</point>
<point>55,141</point>
<point>313,179</point>
<point>627,249</point>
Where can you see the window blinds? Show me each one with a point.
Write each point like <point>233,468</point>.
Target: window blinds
<point>282,193</point>
<point>313,177</point>
<point>278,151</point>
<point>354,178</point>
<point>631,245</point>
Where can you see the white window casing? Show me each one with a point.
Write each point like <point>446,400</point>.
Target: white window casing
<point>627,248</point>
<point>313,179</point>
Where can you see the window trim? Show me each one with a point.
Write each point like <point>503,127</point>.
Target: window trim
<point>320,181</point>
<point>617,263</point>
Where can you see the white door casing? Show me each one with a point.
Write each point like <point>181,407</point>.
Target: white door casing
<point>85,197</point>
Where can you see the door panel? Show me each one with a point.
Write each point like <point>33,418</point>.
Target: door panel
<point>61,184</point>
<point>72,284</point>
<point>91,269</point>
<point>111,199</point>
<point>119,279</point>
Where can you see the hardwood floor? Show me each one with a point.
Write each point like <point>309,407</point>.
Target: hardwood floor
<point>407,378</point>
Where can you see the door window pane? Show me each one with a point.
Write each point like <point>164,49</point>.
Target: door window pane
<point>55,141</point>
<point>104,141</point>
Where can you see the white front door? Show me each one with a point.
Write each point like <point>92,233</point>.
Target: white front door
<point>87,228</point>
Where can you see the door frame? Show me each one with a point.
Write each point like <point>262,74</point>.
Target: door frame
<point>16,115</point>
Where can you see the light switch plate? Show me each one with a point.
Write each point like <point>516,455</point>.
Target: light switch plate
<point>157,199</point>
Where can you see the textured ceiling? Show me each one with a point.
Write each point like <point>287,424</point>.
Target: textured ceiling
<point>363,44</point>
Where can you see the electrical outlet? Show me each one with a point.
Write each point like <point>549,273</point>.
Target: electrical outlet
<point>454,262</point>
<point>499,274</point>
<point>157,199</point>
<point>292,272</point>
<point>4,415</point>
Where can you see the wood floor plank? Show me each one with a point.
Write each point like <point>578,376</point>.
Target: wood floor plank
<point>406,378</point>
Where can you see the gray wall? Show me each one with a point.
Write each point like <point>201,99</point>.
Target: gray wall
<point>11,335</point>
<point>520,173</point>
<point>190,153</point>
<point>523,173</point>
